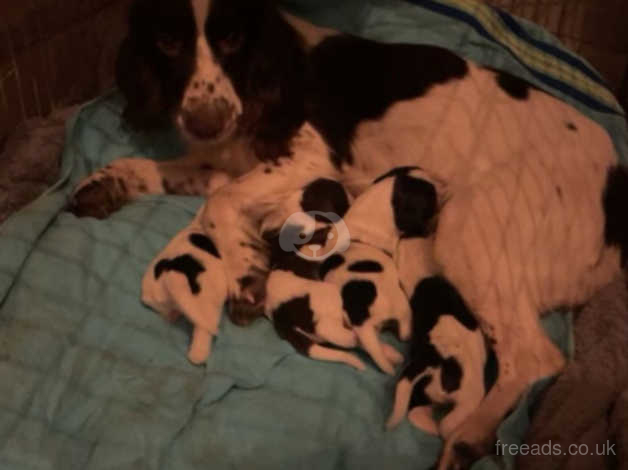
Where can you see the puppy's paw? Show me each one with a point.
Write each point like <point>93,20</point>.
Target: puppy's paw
<point>392,354</point>
<point>200,347</point>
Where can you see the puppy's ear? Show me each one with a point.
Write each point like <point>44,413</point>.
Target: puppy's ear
<point>141,89</point>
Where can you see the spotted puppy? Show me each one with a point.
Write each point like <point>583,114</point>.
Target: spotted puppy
<point>308,314</point>
<point>401,203</point>
<point>446,361</point>
<point>188,278</point>
<point>305,311</point>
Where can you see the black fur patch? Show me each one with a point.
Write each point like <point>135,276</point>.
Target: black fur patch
<point>331,263</point>
<point>615,203</point>
<point>415,203</point>
<point>265,60</point>
<point>423,354</point>
<point>398,171</point>
<point>352,79</point>
<point>203,242</point>
<point>187,265</point>
<point>153,82</point>
<point>290,261</point>
<point>366,267</point>
<point>450,375</point>
<point>514,86</point>
<point>436,296</point>
<point>289,316</point>
<point>325,195</point>
<point>419,397</point>
<point>357,297</point>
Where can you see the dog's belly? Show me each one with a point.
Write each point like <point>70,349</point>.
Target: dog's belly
<point>463,128</point>
<point>526,178</point>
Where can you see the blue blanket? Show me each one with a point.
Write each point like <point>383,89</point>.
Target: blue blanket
<point>91,379</point>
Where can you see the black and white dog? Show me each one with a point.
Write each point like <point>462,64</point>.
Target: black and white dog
<point>535,217</point>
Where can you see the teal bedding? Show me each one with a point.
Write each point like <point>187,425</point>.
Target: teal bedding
<point>91,379</point>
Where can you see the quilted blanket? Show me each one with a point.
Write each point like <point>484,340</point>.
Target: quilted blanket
<point>91,379</point>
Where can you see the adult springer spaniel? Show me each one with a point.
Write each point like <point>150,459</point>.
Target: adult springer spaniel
<point>532,221</point>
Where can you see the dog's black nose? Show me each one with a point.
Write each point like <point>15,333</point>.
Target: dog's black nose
<point>206,119</point>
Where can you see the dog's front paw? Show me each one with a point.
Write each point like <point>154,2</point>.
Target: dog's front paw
<point>108,189</point>
<point>98,196</point>
<point>462,449</point>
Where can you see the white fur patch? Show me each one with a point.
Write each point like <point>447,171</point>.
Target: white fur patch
<point>209,83</point>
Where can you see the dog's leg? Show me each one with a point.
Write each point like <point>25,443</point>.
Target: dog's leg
<point>392,354</point>
<point>524,354</point>
<point>233,215</point>
<point>200,346</point>
<point>323,353</point>
<point>367,334</point>
<point>414,381</point>
<point>422,418</point>
<point>126,179</point>
<point>334,332</point>
<point>462,409</point>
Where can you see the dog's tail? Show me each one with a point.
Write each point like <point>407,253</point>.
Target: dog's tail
<point>615,202</point>
<point>324,353</point>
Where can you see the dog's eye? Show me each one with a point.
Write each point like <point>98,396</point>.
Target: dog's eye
<point>231,43</point>
<point>169,45</point>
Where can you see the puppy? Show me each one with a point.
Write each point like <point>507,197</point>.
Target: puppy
<point>305,311</point>
<point>446,361</point>
<point>188,278</point>
<point>400,203</point>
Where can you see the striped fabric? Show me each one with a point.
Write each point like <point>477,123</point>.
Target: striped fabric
<point>554,66</point>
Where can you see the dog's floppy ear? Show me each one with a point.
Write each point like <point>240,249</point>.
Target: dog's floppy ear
<point>151,79</point>
<point>141,89</point>
<point>273,79</point>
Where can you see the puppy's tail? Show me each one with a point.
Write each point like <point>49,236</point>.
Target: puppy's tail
<point>323,353</point>
<point>401,403</point>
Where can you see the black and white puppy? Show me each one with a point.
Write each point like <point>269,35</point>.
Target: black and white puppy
<point>401,203</point>
<point>536,213</point>
<point>446,360</point>
<point>305,311</point>
<point>188,278</point>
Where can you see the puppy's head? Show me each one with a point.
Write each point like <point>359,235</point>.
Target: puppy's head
<point>197,63</point>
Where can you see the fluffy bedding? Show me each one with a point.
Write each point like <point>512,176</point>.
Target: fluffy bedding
<point>92,379</point>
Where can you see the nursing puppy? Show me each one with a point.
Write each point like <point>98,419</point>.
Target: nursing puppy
<point>400,203</point>
<point>305,311</point>
<point>446,360</point>
<point>308,314</point>
<point>188,278</point>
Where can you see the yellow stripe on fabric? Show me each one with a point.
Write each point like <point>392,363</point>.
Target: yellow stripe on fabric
<point>533,57</point>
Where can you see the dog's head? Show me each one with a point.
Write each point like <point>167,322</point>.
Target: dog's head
<point>211,66</point>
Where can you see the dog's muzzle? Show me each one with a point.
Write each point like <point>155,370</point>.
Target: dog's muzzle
<point>208,119</point>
